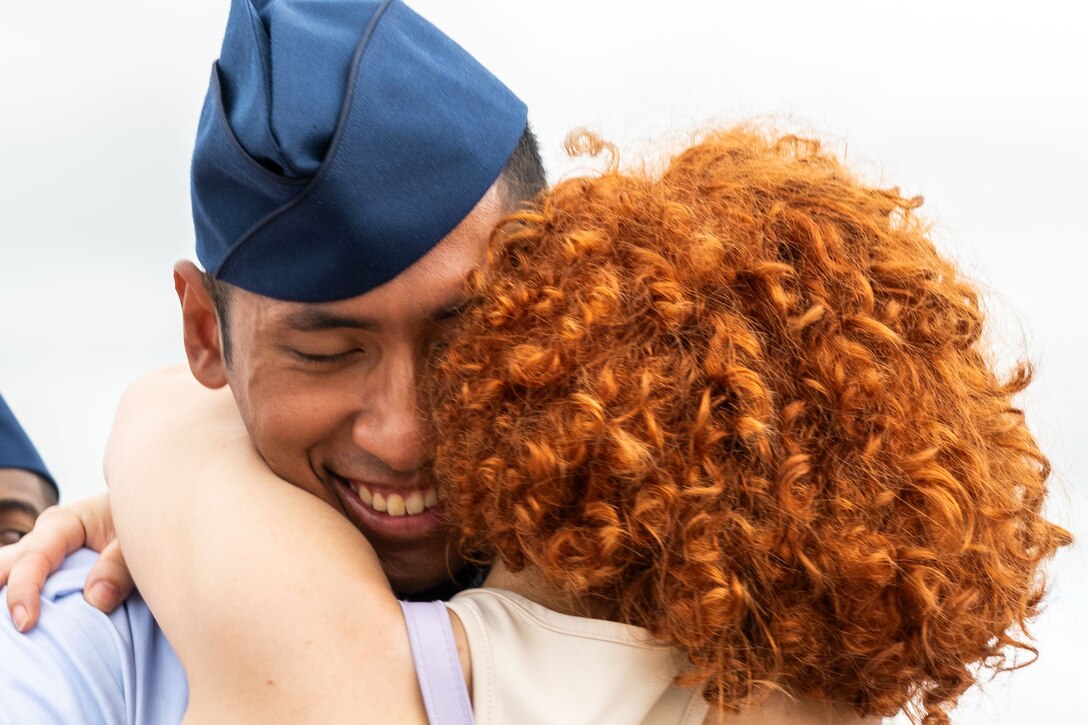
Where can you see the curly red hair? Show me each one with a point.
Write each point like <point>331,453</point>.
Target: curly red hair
<point>743,403</point>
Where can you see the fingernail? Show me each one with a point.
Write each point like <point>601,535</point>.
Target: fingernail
<point>102,595</point>
<point>19,616</point>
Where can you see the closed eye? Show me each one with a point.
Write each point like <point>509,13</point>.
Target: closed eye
<point>327,359</point>
<point>10,536</point>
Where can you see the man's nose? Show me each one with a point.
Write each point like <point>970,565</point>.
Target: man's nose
<point>391,427</point>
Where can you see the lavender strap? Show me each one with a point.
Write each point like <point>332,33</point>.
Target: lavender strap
<point>438,668</point>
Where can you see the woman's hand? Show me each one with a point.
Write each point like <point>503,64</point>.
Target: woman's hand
<point>59,531</point>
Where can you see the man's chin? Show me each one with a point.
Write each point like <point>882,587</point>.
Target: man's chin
<point>424,577</point>
<point>416,551</point>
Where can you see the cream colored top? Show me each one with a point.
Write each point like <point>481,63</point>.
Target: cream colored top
<point>534,666</point>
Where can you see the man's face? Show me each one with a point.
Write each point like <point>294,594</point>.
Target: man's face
<point>22,499</point>
<point>328,393</point>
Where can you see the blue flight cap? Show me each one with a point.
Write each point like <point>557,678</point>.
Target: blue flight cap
<point>340,140</point>
<point>16,450</point>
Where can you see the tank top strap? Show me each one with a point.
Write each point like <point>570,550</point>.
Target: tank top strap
<point>438,668</point>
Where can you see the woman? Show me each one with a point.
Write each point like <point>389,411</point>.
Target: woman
<point>733,419</point>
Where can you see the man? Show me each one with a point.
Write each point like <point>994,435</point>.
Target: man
<point>26,488</point>
<point>350,164</point>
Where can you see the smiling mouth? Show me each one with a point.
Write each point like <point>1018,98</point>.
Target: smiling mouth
<point>395,504</point>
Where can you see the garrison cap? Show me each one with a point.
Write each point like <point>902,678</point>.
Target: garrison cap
<point>340,140</point>
<point>16,450</point>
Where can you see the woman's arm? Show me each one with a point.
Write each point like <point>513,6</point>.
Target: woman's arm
<point>275,604</point>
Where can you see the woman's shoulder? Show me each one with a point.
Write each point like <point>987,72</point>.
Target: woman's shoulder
<point>510,611</point>
<point>586,661</point>
<point>531,664</point>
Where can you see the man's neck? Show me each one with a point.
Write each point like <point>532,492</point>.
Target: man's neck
<point>469,577</point>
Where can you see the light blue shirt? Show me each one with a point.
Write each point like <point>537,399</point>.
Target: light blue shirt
<point>81,666</point>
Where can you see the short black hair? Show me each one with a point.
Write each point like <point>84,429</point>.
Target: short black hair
<point>219,291</point>
<point>521,180</point>
<point>523,177</point>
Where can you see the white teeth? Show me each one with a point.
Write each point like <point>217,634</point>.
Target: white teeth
<point>395,504</point>
<point>414,503</point>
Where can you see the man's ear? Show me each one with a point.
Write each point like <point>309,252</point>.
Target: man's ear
<point>200,323</point>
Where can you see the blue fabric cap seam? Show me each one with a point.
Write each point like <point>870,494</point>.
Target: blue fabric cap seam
<point>334,145</point>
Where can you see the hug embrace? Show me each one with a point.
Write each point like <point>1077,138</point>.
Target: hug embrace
<point>707,438</point>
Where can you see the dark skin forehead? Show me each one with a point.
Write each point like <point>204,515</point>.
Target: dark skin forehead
<point>22,490</point>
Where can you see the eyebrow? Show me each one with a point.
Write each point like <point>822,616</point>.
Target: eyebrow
<point>14,504</point>
<point>318,320</point>
<point>450,311</point>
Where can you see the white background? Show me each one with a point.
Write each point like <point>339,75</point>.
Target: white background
<point>980,106</point>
